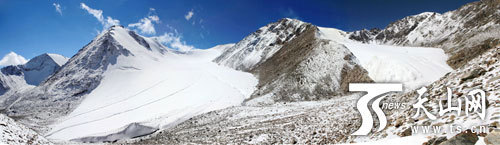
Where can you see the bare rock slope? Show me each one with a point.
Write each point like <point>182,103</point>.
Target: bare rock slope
<point>293,63</point>
<point>15,133</point>
<point>479,73</point>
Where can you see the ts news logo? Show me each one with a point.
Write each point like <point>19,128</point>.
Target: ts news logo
<point>374,91</point>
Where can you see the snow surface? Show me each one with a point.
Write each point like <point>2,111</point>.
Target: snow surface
<point>59,59</point>
<point>15,133</point>
<point>13,84</point>
<point>154,89</point>
<point>412,66</point>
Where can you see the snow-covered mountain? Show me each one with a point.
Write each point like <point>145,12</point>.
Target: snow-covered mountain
<point>412,51</point>
<point>293,63</point>
<point>60,93</point>
<point>3,88</point>
<point>41,67</point>
<point>290,104</point>
<point>463,33</point>
<point>11,79</point>
<point>123,85</point>
<point>261,44</point>
<point>16,78</point>
<point>298,61</point>
<point>285,83</point>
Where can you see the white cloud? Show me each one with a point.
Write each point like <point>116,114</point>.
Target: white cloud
<point>106,23</point>
<point>97,13</point>
<point>154,18</point>
<point>58,8</point>
<point>174,41</point>
<point>171,39</point>
<point>189,15</point>
<point>290,13</point>
<point>145,25</point>
<point>12,59</point>
<point>110,22</point>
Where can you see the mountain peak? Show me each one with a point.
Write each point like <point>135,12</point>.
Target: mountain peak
<point>56,58</point>
<point>290,20</point>
<point>266,41</point>
<point>125,38</point>
<point>113,49</point>
<point>40,67</point>
<point>59,59</point>
<point>115,27</point>
<point>426,14</point>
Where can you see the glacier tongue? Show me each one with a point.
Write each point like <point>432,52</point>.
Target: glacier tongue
<point>412,66</point>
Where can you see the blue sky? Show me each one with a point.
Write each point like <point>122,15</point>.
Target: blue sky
<point>33,27</point>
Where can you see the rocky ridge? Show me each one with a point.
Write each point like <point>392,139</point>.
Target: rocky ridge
<point>296,64</point>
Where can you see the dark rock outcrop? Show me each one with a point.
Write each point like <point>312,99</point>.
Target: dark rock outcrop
<point>464,138</point>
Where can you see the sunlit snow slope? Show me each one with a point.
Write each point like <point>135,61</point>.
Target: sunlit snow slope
<point>412,66</point>
<point>155,90</point>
